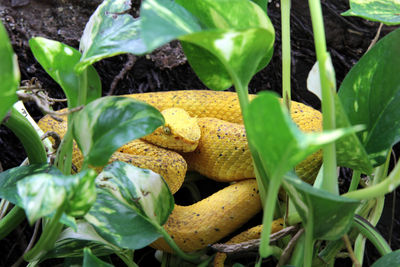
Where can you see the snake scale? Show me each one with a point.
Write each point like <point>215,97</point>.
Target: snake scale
<point>222,154</point>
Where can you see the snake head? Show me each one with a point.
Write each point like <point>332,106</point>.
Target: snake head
<point>180,131</point>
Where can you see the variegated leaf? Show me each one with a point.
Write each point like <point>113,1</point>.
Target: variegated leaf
<point>109,32</point>
<point>41,194</point>
<point>385,11</point>
<point>71,243</point>
<point>131,205</point>
<point>9,74</point>
<point>233,42</point>
<point>59,60</point>
<point>108,123</point>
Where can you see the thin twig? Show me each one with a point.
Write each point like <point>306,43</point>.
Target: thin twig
<point>378,33</point>
<point>252,244</point>
<point>55,136</point>
<point>287,252</point>
<point>347,242</point>
<point>127,67</point>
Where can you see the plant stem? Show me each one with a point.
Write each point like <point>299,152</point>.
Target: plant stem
<point>9,222</point>
<point>309,241</point>
<point>273,188</point>
<point>377,190</point>
<point>372,235</point>
<point>48,236</point>
<point>329,183</point>
<point>27,135</point>
<point>286,58</point>
<point>355,180</point>
<point>174,246</point>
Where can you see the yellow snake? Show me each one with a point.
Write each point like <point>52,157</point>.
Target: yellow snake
<point>222,154</point>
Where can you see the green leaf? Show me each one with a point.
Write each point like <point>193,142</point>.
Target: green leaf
<point>10,177</point>
<point>90,260</point>
<point>349,150</point>
<point>391,259</point>
<point>263,4</point>
<point>40,195</point>
<point>226,41</point>
<point>238,33</point>
<point>109,32</point>
<point>278,140</point>
<point>163,21</point>
<point>370,95</point>
<point>9,74</point>
<point>131,205</point>
<point>72,242</point>
<point>106,124</point>
<point>330,214</point>
<point>385,11</point>
<point>59,60</point>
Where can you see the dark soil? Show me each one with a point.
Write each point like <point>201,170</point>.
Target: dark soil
<point>166,69</point>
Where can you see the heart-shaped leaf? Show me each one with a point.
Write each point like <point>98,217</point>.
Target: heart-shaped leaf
<point>221,46</point>
<point>385,11</point>
<point>106,124</point>
<point>330,214</point>
<point>278,140</point>
<point>370,95</point>
<point>109,32</point>
<point>43,193</point>
<point>59,60</point>
<point>163,21</point>
<point>9,74</point>
<point>131,205</point>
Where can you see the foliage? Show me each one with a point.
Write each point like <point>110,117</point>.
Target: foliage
<point>226,42</point>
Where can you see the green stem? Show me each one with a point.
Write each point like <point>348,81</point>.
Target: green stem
<point>359,247</point>
<point>127,259</point>
<point>372,235</point>
<point>377,190</point>
<point>48,236</point>
<point>355,180</point>
<point>329,183</point>
<point>9,222</point>
<point>285,22</point>
<point>309,242</point>
<point>191,258</point>
<point>269,205</point>
<point>27,135</point>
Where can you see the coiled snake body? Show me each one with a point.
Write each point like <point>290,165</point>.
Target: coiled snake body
<point>222,154</point>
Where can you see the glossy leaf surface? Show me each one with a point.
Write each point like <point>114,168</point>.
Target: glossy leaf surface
<point>106,124</point>
<point>90,260</point>
<point>71,243</point>
<point>41,194</point>
<point>391,259</point>
<point>284,145</point>
<point>59,60</point>
<point>385,11</point>
<point>370,95</point>
<point>111,30</point>
<point>331,215</point>
<point>131,205</point>
<point>222,47</point>
<point>9,74</point>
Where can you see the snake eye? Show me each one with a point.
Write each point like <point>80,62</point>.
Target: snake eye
<point>166,130</point>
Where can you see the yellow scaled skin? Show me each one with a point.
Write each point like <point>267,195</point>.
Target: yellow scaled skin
<point>194,227</point>
<point>180,132</point>
<point>250,234</point>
